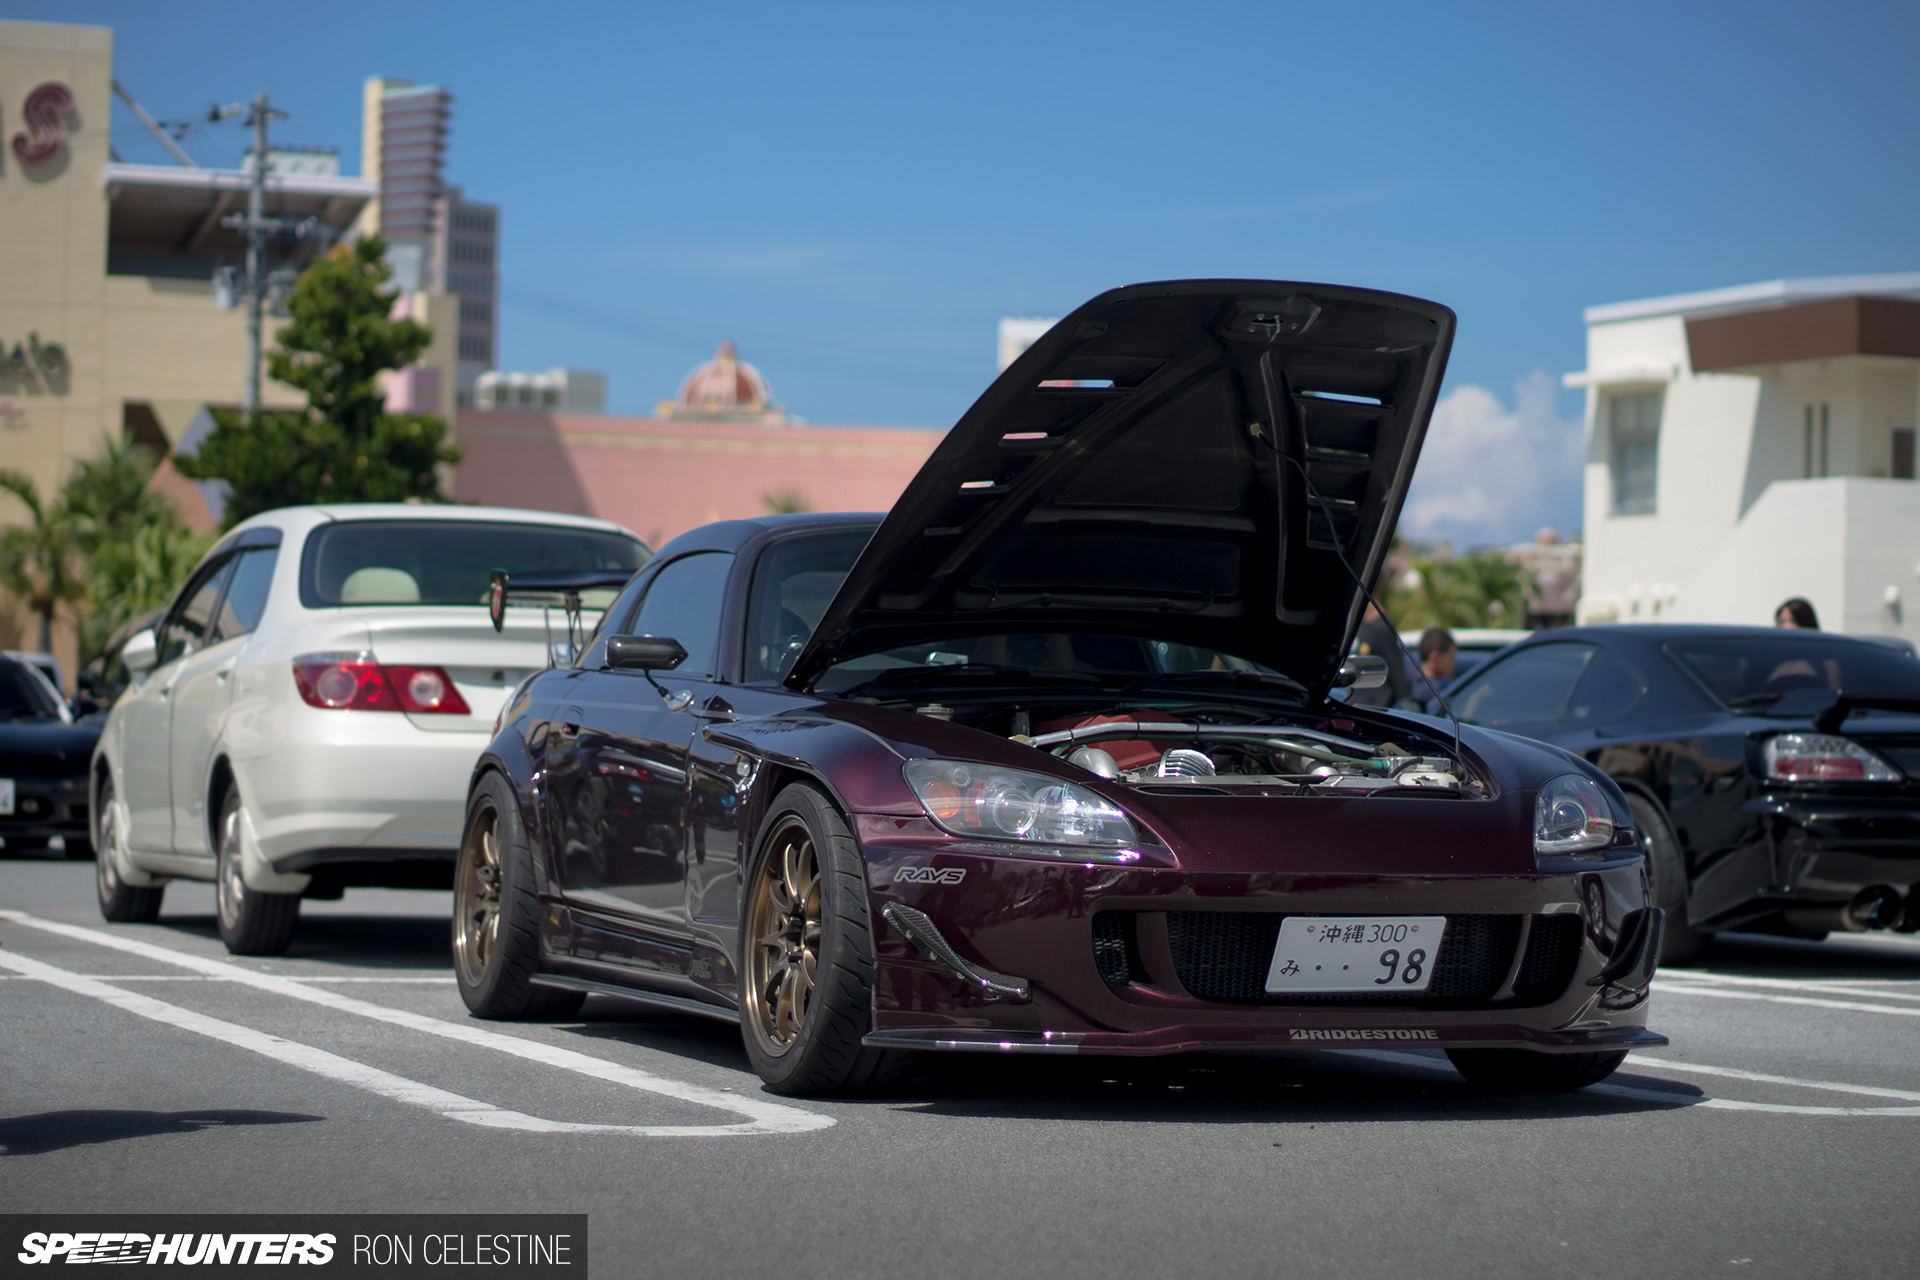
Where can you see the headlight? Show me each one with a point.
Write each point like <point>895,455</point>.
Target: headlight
<point>1571,815</point>
<point>1009,804</point>
<point>1819,757</point>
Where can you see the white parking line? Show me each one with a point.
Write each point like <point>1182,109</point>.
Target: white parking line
<point>1817,986</point>
<point>764,1117</point>
<point>1852,1006</point>
<point>1690,1100</point>
<point>224,977</point>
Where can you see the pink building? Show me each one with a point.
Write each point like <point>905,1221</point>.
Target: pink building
<point>712,454</point>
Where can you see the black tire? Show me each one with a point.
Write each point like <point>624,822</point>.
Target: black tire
<point>496,914</point>
<point>1667,870</point>
<point>79,848</point>
<point>120,902</point>
<point>805,901</point>
<point>251,923</point>
<point>1525,1071</point>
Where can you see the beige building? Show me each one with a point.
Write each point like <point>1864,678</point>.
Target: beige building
<point>108,315</point>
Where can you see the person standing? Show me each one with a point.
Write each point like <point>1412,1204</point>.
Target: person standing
<point>1796,614</point>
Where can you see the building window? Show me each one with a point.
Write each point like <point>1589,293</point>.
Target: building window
<point>1902,468</point>
<point>1633,430</point>
<point>476,349</point>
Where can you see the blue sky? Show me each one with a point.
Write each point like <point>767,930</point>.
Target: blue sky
<point>855,194</point>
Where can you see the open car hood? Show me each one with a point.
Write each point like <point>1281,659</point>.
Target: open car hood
<point>1144,469</point>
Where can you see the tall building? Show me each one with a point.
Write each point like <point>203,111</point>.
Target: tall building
<point>439,242</point>
<point>1750,444</point>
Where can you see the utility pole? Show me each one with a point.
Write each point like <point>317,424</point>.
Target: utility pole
<point>257,227</point>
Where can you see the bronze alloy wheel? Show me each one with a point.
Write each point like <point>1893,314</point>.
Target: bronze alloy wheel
<point>784,924</point>
<point>476,915</point>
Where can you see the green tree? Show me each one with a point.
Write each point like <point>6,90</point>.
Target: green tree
<point>39,563</point>
<point>135,548</point>
<point>1479,589</point>
<point>344,446</point>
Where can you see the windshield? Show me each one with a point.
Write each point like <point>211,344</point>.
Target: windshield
<point>1757,671</point>
<point>403,562</point>
<point>25,694</point>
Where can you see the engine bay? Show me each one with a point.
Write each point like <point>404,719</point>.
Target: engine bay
<point>1220,748</point>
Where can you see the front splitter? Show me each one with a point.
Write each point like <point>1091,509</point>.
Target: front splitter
<point>1169,1040</point>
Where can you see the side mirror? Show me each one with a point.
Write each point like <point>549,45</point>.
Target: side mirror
<point>140,653</point>
<point>1362,671</point>
<point>644,653</point>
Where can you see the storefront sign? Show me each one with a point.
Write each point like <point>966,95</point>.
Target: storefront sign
<point>45,116</point>
<point>34,359</point>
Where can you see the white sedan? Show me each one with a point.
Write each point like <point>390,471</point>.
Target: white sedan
<point>305,716</point>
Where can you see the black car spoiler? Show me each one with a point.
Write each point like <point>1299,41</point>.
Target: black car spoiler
<point>1829,708</point>
<point>565,583</point>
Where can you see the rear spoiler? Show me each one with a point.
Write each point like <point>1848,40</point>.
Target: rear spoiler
<point>565,583</point>
<point>1829,708</point>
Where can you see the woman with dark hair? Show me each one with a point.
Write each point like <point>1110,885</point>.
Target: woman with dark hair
<point>1796,613</point>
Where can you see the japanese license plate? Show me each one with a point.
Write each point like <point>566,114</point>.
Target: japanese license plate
<point>1355,953</point>
<point>6,797</point>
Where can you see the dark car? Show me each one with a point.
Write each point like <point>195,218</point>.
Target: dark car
<point>44,757</point>
<point>1775,774</point>
<point>1044,761</point>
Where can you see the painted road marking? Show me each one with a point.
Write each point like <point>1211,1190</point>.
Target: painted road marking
<point>1819,986</point>
<point>763,1116</point>
<point>1851,1006</point>
<point>205,977</point>
<point>1693,1100</point>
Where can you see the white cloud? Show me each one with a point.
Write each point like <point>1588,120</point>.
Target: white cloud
<point>1490,474</point>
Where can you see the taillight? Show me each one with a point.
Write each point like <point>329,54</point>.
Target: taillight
<point>355,682</point>
<point>1821,757</point>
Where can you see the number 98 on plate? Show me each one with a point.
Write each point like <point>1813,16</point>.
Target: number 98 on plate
<point>1382,954</point>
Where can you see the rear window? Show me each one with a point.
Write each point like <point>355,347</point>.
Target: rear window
<point>24,694</point>
<point>401,562</point>
<point>1758,671</point>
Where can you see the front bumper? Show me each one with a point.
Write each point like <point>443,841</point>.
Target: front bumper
<point>47,807</point>
<point>1035,920</point>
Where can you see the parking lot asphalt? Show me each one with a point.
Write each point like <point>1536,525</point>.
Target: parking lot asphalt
<point>143,1070</point>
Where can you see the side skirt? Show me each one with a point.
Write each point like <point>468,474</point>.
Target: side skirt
<point>679,1004</point>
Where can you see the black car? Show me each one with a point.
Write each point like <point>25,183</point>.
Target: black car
<point>44,756</point>
<point>1775,773</point>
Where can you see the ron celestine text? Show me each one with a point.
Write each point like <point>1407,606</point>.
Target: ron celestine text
<point>341,1244</point>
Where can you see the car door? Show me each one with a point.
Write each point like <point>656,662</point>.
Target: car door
<point>203,691</point>
<point>618,775</point>
<point>146,756</point>
<point>1528,691</point>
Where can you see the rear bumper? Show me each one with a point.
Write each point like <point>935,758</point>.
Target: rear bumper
<point>359,786</point>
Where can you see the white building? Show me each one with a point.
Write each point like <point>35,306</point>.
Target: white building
<point>1017,333</point>
<point>1751,444</point>
<point>559,390</point>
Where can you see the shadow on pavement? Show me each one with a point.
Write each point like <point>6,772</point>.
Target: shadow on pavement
<point>58,1130</point>
<point>354,942</point>
<point>1314,1087</point>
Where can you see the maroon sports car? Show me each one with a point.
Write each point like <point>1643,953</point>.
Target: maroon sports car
<point>1050,759</point>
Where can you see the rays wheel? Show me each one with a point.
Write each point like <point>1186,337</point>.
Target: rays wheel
<point>806,955</point>
<point>496,913</point>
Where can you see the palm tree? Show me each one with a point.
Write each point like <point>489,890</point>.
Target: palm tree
<point>106,496</point>
<point>37,559</point>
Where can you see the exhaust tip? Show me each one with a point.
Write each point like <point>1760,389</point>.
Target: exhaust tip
<point>1875,907</point>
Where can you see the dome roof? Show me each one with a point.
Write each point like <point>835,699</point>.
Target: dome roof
<point>723,387</point>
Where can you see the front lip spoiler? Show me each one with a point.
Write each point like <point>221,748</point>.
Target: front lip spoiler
<point>917,929</point>
<point>1169,1040</point>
